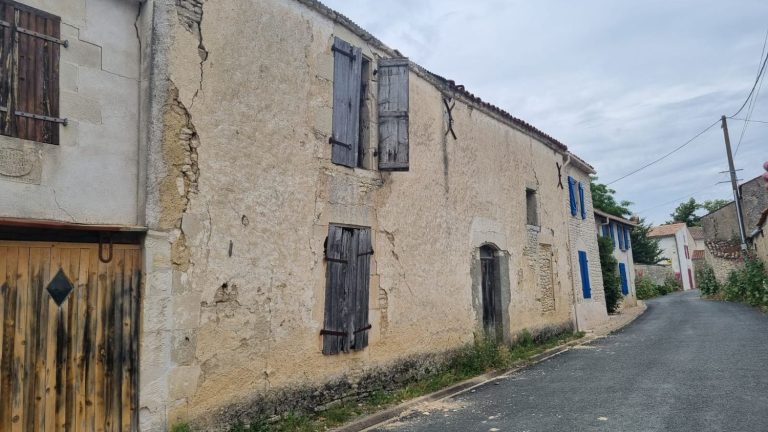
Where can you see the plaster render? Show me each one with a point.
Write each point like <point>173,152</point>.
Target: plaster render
<point>243,235</point>
<point>98,156</point>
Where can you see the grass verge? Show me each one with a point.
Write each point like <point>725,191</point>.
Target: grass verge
<point>467,362</point>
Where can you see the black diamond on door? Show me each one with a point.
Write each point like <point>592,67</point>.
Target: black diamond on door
<point>60,287</point>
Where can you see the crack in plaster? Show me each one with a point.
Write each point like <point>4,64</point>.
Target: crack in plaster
<point>191,17</point>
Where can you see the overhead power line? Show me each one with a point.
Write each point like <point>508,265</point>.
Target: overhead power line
<point>754,86</point>
<point>666,155</point>
<point>753,101</point>
<point>750,120</point>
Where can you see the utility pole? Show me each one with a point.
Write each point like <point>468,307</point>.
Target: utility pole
<point>735,185</point>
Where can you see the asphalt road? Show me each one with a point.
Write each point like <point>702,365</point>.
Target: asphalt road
<point>687,364</point>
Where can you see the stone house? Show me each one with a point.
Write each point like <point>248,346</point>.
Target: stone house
<point>209,236</point>
<point>677,243</point>
<point>619,229</point>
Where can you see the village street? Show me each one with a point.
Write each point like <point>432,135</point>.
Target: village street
<point>687,364</point>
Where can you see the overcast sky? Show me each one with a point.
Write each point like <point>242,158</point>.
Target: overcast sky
<point>620,83</point>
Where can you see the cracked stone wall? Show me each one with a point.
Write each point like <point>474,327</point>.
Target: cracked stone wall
<point>583,236</point>
<point>93,175</point>
<point>244,192</point>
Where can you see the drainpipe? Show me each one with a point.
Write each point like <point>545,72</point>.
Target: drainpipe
<point>574,295</point>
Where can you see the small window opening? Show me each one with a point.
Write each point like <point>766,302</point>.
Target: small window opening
<point>365,115</point>
<point>532,215</point>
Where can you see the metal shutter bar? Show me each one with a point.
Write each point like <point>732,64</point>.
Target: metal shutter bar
<point>368,327</point>
<point>324,332</point>
<point>40,117</point>
<point>63,42</point>
<point>342,52</point>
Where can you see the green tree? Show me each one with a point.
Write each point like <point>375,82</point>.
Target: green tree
<point>609,267</point>
<point>686,212</point>
<point>603,199</point>
<point>645,250</point>
<point>715,204</point>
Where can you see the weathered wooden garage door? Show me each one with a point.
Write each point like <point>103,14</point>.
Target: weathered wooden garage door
<point>69,337</point>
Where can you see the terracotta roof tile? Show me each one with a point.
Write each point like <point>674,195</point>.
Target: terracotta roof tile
<point>728,249</point>
<point>697,232</point>
<point>665,230</point>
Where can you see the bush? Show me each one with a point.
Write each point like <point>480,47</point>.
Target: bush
<point>645,288</point>
<point>609,267</point>
<point>706,280</point>
<point>671,284</point>
<point>748,283</point>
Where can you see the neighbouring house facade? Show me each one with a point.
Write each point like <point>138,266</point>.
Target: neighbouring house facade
<point>618,229</point>
<point>72,214</point>
<point>589,298</point>
<point>677,244</point>
<point>205,236</point>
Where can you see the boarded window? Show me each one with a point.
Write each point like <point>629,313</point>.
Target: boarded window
<point>623,277</point>
<point>347,75</point>
<point>532,211</point>
<point>393,114</point>
<point>29,73</point>
<point>572,195</point>
<point>346,326</point>
<point>586,288</point>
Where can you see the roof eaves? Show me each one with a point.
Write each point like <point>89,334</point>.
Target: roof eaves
<point>616,218</point>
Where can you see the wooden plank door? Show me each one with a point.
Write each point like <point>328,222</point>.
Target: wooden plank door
<point>69,331</point>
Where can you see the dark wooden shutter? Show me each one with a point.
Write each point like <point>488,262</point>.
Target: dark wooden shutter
<point>337,256</point>
<point>348,252</point>
<point>362,280</point>
<point>393,114</point>
<point>347,63</point>
<point>29,89</point>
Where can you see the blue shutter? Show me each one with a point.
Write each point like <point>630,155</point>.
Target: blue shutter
<point>606,230</point>
<point>620,234</point>
<point>610,231</point>
<point>626,238</point>
<point>572,195</point>
<point>586,289</point>
<point>623,275</point>
<point>581,201</point>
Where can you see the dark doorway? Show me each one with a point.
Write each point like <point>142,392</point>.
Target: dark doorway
<point>491,292</point>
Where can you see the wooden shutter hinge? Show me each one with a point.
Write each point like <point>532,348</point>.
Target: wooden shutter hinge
<point>325,332</point>
<point>336,260</point>
<point>63,121</point>
<point>333,141</point>
<point>349,53</point>
<point>63,42</point>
